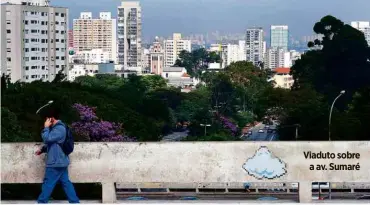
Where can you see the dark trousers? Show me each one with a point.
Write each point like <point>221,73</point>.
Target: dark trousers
<point>53,175</point>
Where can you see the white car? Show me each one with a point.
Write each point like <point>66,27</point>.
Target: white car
<point>323,185</point>
<point>260,131</point>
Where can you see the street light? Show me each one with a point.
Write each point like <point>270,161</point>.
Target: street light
<point>47,104</point>
<point>205,128</point>
<point>331,110</point>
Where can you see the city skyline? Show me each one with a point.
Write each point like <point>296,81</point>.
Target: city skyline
<point>164,17</point>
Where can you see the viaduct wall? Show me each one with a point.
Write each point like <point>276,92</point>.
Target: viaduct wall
<point>197,162</point>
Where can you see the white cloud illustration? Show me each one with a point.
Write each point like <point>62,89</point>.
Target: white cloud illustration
<point>265,165</point>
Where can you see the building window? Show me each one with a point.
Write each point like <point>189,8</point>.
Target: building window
<point>7,21</point>
<point>26,67</point>
<point>33,67</point>
<point>8,40</point>
<point>33,58</point>
<point>9,59</point>
<point>8,31</point>
<point>26,40</point>
<point>43,67</point>
<point>62,58</point>
<point>8,50</point>
<point>26,58</point>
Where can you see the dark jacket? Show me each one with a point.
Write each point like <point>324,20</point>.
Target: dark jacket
<point>53,139</point>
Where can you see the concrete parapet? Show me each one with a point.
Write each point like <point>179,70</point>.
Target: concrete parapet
<point>195,163</point>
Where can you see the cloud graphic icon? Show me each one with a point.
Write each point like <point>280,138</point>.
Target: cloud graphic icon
<point>265,165</point>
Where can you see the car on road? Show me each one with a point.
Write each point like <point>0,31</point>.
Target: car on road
<point>267,126</point>
<point>249,133</point>
<point>261,131</point>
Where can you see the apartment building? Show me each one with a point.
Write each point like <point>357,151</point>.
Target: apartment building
<point>282,78</point>
<point>254,45</point>
<point>70,39</point>
<point>279,36</point>
<point>236,52</point>
<point>95,34</point>
<point>33,40</point>
<point>156,60</point>
<point>129,34</point>
<point>173,47</point>
<point>363,26</point>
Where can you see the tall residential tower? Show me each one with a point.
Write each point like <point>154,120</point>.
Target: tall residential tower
<point>129,34</point>
<point>99,34</point>
<point>173,47</point>
<point>33,40</point>
<point>254,45</point>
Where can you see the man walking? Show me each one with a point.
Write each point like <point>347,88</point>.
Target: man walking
<point>53,135</point>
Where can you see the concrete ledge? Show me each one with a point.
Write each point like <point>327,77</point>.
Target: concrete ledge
<point>161,202</point>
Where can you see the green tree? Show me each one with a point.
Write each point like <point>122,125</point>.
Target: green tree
<point>11,130</point>
<point>342,63</point>
<point>196,61</point>
<point>153,82</point>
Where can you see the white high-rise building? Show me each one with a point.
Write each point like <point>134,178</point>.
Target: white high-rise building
<point>129,34</point>
<point>235,52</point>
<point>276,58</point>
<point>363,26</point>
<point>33,40</point>
<point>279,37</point>
<point>254,45</point>
<point>99,34</point>
<point>173,47</point>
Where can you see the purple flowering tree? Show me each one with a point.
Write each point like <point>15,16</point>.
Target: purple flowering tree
<point>96,130</point>
<point>229,125</point>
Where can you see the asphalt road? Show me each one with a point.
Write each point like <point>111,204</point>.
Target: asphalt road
<point>175,136</point>
<point>240,196</point>
<point>265,136</point>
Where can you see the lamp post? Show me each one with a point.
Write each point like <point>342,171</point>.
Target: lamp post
<point>331,110</point>
<point>205,128</point>
<point>47,104</point>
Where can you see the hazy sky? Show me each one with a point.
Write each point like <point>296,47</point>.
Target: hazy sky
<point>163,17</point>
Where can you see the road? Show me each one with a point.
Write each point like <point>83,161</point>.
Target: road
<point>175,136</point>
<point>239,196</point>
<point>265,136</point>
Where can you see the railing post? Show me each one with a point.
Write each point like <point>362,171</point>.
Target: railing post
<point>305,192</point>
<point>108,193</point>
